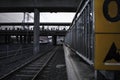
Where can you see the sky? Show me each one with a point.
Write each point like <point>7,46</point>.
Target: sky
<point>57,17</point>
<point>44,17</point>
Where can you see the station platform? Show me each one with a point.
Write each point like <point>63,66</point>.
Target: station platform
<point>77,69</point>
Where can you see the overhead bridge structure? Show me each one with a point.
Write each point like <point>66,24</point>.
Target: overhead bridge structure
<point>38,6</point>
<point>41,5</point>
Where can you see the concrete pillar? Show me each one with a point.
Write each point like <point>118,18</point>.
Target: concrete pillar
<point>29,39</point>
<point>54,40</point>
<point>17,39</point>
<point>21,39</point>
<point>25,38</point>
<point>6,39</point>
<point>36,31</point>
<point>9,38</point>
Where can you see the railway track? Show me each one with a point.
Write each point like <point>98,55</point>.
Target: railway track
<point>30,70</point>
<point>55,69</point>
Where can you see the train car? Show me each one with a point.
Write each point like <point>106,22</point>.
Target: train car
<point>94,33</point>
<point>44,40</point>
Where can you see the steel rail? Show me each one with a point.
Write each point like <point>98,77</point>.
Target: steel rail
<point>45,64</point>
<point>25,64</point>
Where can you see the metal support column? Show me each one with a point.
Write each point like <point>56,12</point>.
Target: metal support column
<point>25,39</point>
<point>17,40</point>
<point>54,40</point>
<point>36,31</point>
<point>5,39</point>
<point>29,39</point>
<point>21,39</point>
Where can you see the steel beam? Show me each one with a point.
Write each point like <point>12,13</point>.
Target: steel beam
<point>41,5</point>
<point>31,24</point>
